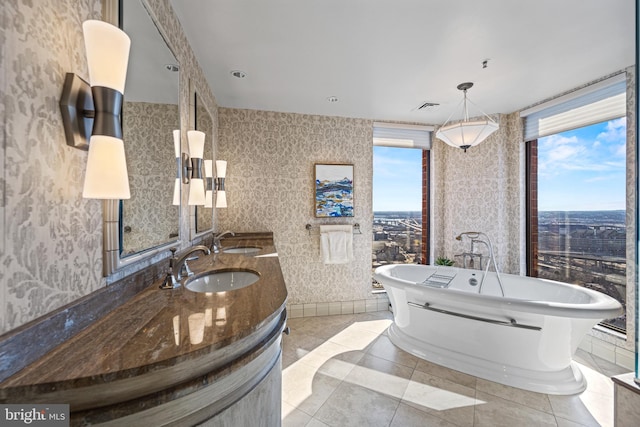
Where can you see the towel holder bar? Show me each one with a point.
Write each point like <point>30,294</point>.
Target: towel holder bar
<point>356,229</point>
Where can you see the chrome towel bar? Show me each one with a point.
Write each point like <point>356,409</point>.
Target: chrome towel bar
<point>512,322</point>
<point>356,229</point>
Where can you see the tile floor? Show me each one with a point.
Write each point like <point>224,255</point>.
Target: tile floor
<point>343,371</point>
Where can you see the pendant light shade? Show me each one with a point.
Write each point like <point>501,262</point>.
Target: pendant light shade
<point>466,134</point>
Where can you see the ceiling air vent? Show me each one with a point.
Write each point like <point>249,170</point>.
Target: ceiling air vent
<point>428,106</point>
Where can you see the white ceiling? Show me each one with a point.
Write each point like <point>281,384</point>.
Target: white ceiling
<point>383,58</point>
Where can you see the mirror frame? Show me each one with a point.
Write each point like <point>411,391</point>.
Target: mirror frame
<point>194,102</point>
<point>112,262</point>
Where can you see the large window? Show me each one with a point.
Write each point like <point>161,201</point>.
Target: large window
<point>400,178</point>
<point>577,204</point>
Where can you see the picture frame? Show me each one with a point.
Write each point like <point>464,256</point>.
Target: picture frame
<point>333,190</point>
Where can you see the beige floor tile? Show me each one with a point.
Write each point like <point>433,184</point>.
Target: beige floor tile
<point>383,347</point>
<point>306,389</point>
<point>316,423</point>
<point>354,338</point>
<point>297,345</point>
<point>567,423</point>
<point>442,398</point>
<point>407,416</point>
<point>537,401</point>
<point>352,405</point>
<point>292,417</point>
<point>381,375</point>
<point>446,373</point>
<point>343,370</point>
<point>493,411</point>
<point>573,408</point>
<point>326,326</point>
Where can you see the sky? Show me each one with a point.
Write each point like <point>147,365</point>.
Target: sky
<point>582,169</point>
<point>397,179</point>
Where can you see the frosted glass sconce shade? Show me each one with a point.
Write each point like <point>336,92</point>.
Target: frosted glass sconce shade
<point>107,54</point>
<point>196,183</point>
<point>208,199</point>
<point>221,168</point>
<point>221,199</point>
<point>196,143</point>
<point>221,195</point>
<point>196,192</point>
<point>91,111</point>
<point>106,175</point>
<point>208,168</point>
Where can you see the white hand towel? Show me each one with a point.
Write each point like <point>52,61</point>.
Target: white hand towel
<point>336,244</point>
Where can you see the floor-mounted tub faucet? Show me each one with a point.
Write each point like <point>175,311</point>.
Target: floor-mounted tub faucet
<point>172,280</point>
<point>215,243</point>
<point>474,236</point>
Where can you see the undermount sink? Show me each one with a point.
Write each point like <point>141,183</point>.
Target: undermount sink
<point>222,280</point>
<point>246,250</point>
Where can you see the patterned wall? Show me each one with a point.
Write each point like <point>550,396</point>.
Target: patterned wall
<point>51,238</point>
<point>270,186</point>
<point>51,251</point>
<point>149,214</point>
<point>480,190</point>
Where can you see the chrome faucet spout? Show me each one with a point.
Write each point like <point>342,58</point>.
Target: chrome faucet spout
<point>215,242</point>
<point>172,280</point>
<point>475,236</point>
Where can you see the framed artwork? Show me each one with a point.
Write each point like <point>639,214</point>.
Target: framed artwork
<point>333,190</point>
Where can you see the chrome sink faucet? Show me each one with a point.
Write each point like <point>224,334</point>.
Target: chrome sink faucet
<point>172,280</point>
<point>215,243</point>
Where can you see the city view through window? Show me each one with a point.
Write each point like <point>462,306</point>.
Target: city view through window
<point>581,210</point>
<point>581,203</point>
<point>397,202</point>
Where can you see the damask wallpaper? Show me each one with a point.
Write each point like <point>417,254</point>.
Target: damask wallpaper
<point>150,218</point>
<point>270,186</point>
<point>481,190</point>
<point>51,238</point>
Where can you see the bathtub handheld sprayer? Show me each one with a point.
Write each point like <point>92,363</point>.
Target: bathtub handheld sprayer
<point>474,236</point>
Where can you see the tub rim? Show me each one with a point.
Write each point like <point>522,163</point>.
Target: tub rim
<point>600,306</point>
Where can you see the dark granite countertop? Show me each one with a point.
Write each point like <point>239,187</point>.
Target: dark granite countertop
<point>161,337</point>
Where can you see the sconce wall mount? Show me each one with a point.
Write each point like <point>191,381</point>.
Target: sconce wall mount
<point>88,111</point>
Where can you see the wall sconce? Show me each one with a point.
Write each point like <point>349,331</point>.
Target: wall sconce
<point>176,186</point>
<point>91,112</point>
<point>221,194</point>
<point>208,174</point>
<point>195,180</point>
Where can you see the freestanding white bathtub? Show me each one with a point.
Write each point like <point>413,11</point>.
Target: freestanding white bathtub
<point>525,339</point>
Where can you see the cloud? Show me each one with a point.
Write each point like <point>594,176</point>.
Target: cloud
<point>584,151</point>
<point>616,131</point>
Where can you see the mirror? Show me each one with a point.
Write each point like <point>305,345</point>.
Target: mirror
<point>150,114</point>
<point>203,122</point>
<point>142,227</point>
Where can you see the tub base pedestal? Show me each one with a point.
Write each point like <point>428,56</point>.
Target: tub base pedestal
<point>563,382</point>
